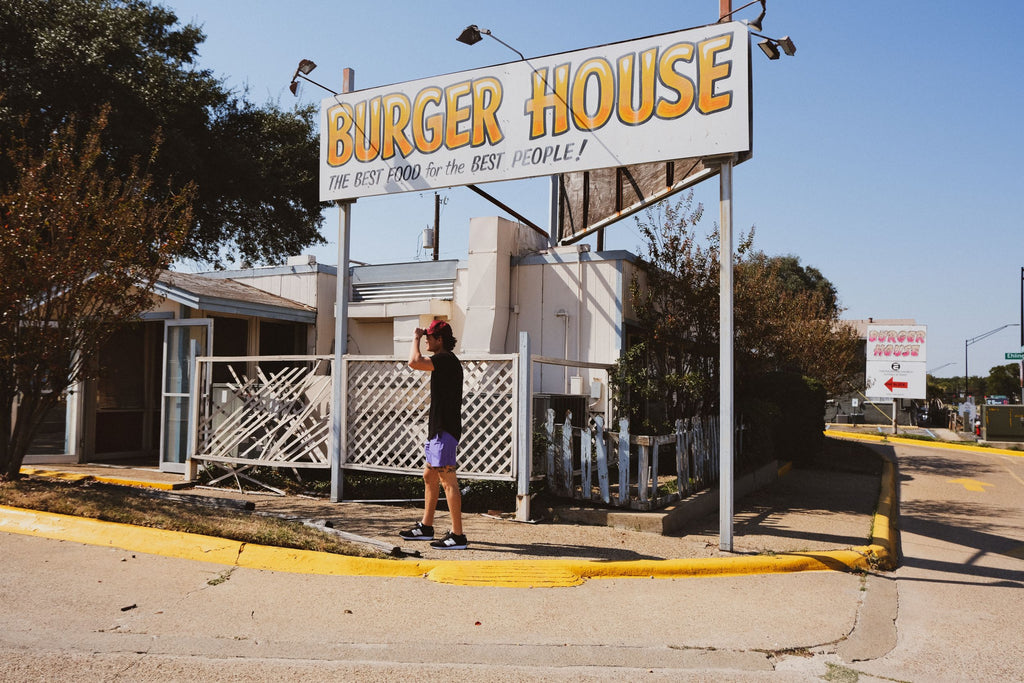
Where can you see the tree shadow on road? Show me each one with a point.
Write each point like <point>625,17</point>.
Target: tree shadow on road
<point>957,522</point>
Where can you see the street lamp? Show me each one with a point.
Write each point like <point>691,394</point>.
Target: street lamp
<point>771,46</point>
<point>972,340</point>
<point>473,34</point>
<point>302,71</point>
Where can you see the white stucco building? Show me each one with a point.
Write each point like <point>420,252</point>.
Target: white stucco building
<point>574,304</point>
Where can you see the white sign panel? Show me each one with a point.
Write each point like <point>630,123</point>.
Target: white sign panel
<point>896,379</point>
<point>675,95</point>
<point>896,359</point>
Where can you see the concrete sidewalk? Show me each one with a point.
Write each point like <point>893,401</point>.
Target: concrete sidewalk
<point>809,520</point>
<point>172,618</point>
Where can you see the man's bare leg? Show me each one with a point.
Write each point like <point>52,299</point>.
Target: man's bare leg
<point>454,497</point>
<point>431,490</point>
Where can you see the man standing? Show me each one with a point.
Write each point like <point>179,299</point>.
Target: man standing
<point>443,434</point>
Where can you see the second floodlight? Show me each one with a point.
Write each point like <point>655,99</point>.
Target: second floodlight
<point>769,48</point>
<point>302,71</point>
<point>470,35</point>
<point>473,34</point>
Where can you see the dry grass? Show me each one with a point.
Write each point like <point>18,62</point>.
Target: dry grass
<point>125,505</point>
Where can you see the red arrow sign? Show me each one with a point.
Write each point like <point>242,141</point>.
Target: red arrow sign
<point>891,384</point>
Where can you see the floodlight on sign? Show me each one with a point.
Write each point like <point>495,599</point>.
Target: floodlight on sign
<point>769,48</point>
<point>470,35</point>
<point>473,34</point>
<point>304,68</point>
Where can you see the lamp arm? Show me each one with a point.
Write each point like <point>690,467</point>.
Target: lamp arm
<point>521,55</point>
<point>307,78</point>
<point>724,16</point>
<point>985,335</point>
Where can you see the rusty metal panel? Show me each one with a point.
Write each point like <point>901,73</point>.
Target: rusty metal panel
<point>591,200</point>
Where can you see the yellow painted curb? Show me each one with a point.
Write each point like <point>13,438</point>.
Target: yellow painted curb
<point>880,554</point>
<point>195,546</point>
<point>75,476</point>
<point>878,438</point>
<point>516,573</point>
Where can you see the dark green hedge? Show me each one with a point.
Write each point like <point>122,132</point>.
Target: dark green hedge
<point>785,413</point>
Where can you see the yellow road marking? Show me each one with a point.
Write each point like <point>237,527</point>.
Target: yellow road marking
<point>971,484</point>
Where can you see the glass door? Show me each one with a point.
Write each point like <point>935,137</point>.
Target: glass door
<point>183,341</point>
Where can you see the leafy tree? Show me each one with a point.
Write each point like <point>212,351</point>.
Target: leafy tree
<point>255,167</point>
<point>671,371</point>
<point>1003,380</point>
<point>795,278</point>
<point>786,321</point>
<point>945,389</point>
<point>80,246</point>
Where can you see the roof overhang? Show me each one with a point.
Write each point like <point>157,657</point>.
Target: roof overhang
<point>217,296</point>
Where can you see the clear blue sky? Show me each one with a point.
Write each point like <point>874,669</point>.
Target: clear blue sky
<point>886,151</point>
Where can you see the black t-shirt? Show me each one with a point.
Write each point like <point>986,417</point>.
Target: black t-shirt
<point>446,395</point>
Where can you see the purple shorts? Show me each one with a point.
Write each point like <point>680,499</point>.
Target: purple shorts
<point>440,450</point>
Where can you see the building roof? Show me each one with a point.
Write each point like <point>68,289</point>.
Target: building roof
<point>230,296</point>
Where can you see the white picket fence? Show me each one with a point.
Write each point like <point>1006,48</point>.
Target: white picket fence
<point>581,461</point>
<point>282,419</point>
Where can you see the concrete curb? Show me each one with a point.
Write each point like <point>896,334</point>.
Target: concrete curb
<point>883,550</point>
<point>510,573</point>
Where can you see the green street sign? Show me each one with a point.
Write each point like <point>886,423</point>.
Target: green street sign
<point>1019,355</point>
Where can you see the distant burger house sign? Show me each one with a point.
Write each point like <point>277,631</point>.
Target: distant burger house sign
<point>675,95</point>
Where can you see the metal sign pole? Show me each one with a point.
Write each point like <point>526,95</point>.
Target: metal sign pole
<point>725,363</point>
<point>340,327</point>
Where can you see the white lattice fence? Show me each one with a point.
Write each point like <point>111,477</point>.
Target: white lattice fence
<point>387,407</point>
<point>279,419</point>
<point>385,419</point>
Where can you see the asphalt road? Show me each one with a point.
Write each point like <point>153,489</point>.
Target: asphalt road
<point>961,581</point>
<point>950,612</point>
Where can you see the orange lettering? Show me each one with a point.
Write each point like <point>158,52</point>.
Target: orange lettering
<point>708,73</point>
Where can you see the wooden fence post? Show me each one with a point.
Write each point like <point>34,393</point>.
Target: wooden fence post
<point>585,475</point>
<point>602,460</point>
<point>549,426</point>
<point>643,472</point>
<point>567,454</point>
<point>681,482</point>
<point>624,461</point>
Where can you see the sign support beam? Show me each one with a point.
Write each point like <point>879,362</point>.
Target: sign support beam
<point>726,338</point>
<point>340,328</point>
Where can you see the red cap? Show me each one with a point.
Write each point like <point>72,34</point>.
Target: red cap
<point>439,327</point>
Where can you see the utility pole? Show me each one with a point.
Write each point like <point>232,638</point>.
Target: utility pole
<point>437,224</point>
